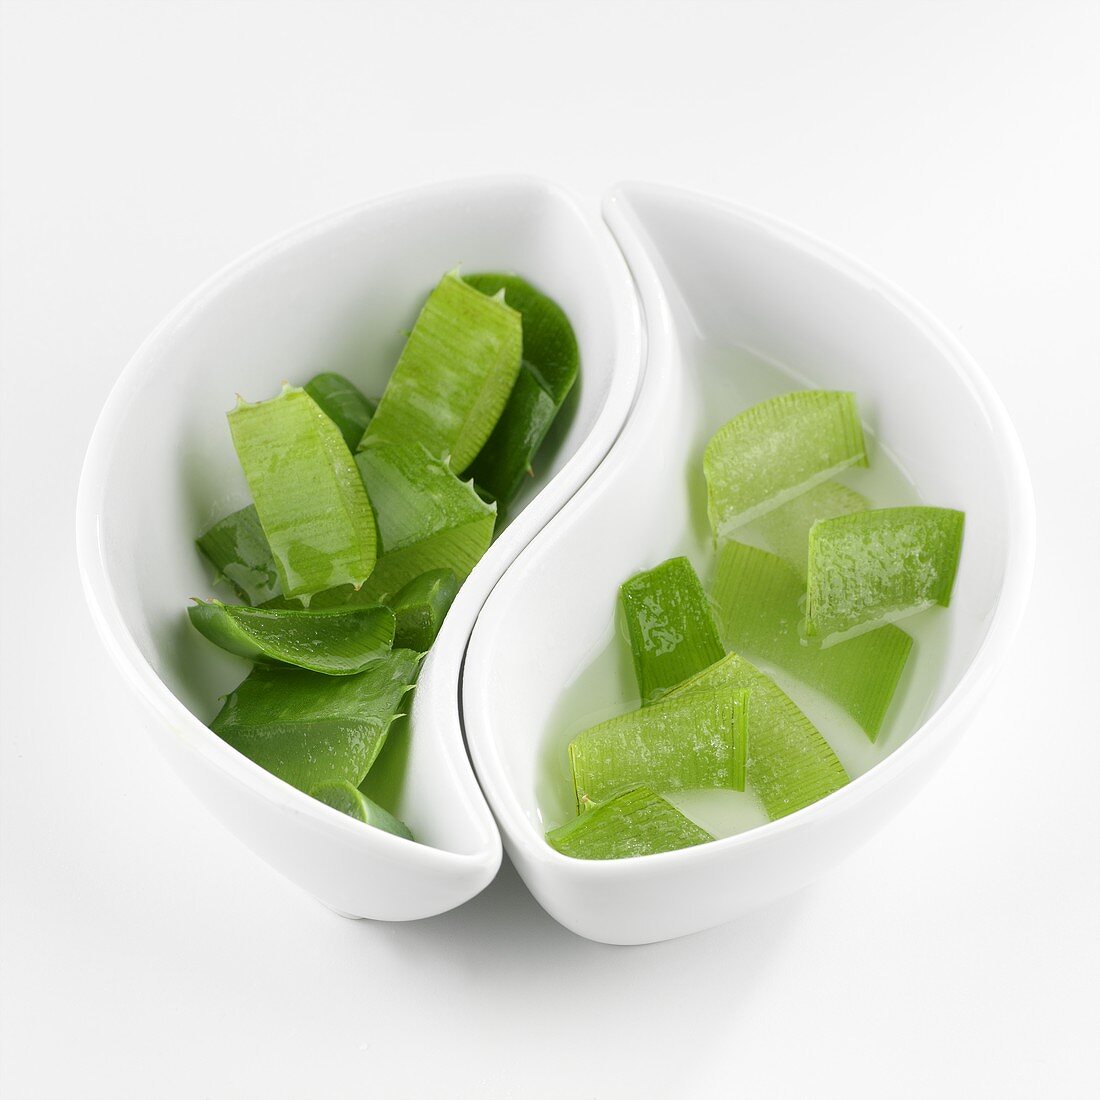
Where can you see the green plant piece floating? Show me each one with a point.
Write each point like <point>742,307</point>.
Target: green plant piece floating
<point>427,518</point>
<point>351,801</point>
<point>307,491</point>
<point>343,404</point>
<point>454,376</point>
<point>790,765</point>
<point>772,452</point>
<point>758,598</point>
<point>547,374</point>
<point>310,729</point>
<point>876,567</point>
<point>634,823</point>
<point>671,628</point>
<point>238,549</point>
<point>693,741</point>
<point>421,606</point>
<point>335,641</point>
<point>786,529</point>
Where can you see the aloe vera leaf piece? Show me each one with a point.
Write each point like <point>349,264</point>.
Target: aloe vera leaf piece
<point>421,606</point>
<point>343,404</point>
<point>238,549</point>
<point>634,823</point>
<point>310,729</point>
<point>876,567</point>
<point>789,765</point>
<point>307,491</point>
<point>671,627</point>
<point>772,452</point>
<point>694,741</point>
<point>427,518</point>
<point>786,529</point>
<point>351,801</point>
<point>453,378</point>
<point>547,373</point>
<point>758,598</point>
<point>335,641</point>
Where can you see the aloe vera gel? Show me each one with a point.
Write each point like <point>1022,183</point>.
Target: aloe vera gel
<point>789,646</point>
<point>364,522</point>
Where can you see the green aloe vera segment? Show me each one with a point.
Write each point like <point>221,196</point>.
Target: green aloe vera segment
<point>879,566</point>
<point>634,823</point>
<point>789,765</point>
<point>758,598</point>
<point>335,641</point>
<point>350,800</point>
<point>770,453</point>
<point>671,627</point>
<point>421,606</point>
<point>307,491</point>
<point>691,742</point>
<point>547,374</point>
<point>427,518</point>
<point>343,404</point>
<point>786,530</point>
<point>238,549</point>
<point>454,376</point>
<point>310,729</point>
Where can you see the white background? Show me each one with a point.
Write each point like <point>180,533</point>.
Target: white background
<point>145,952</point>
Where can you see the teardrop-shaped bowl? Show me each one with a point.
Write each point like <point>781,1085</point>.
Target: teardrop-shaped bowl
<point>717,276</point>
<point>335,295</point>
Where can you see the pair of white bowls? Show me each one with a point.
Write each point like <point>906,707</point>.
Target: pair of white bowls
<point>610,499</point>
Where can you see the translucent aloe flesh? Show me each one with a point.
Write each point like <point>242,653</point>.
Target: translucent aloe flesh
<point>310,729</point>
<point>691,742</point>
<point>789,764</point>
<point>634,823</point>
<point>758,600</point>
<point>879,566</point>
<point>343,404</point>
<point>351,801</point>
<point>238,549</point>
<point>336,641</point>
<point>428,519</point>
<point>307,491</point>
<point>671,627</point>
<point>786,529</point>
<point>770,453</point>
<point>421,606</point>
<point>547,373</point>
<point>454,376</point>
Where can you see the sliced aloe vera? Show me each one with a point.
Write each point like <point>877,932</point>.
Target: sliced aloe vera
<point>454,376</point>
<point>789,765</point>
<point>310,729</point>
<point>634,823</point>
<point>876,567</point>
<point>343,404</point>
<point>238,549</point>
<point>427,518</point>
<point>421,606</point>
<point>307,491</point>
<point>772,452</point>
<point>691,742</point>
<point>758,598</point>
<point>351,801</point>
<point>671,628</point>
<point>786,529</point>
<point>335,641</point>
<point>547,374</point>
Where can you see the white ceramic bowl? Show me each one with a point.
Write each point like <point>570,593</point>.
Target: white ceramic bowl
<point>334,295</point>
<point>713,272</point>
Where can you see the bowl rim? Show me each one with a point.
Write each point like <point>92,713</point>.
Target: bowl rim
<point>1007,614</point>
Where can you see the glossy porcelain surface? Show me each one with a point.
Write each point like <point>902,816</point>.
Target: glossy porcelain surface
<point>710,273</point>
